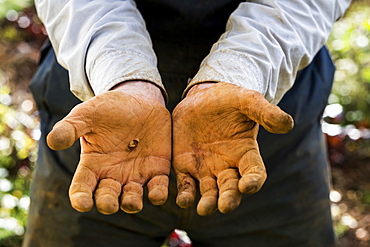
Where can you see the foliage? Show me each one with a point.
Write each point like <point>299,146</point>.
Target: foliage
<point>20,38</point>
<point>347,122</point>
<point>10,7</point>
<point>18,146</point>
<point>349,45</point>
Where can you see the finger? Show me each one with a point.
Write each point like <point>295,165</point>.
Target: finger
<point>253,172</point>
<point>209,191</point>
<point>270,116</point>
<point>132,198</point>
<point>230,196</point>
<point>80,192</point>
<point>158,189</point>
<point>70,128</point>
<point>106,196</point>
<point>186,190</point>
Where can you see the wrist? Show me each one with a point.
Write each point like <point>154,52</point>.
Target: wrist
<point>199,87</point>
<point>142,89</point>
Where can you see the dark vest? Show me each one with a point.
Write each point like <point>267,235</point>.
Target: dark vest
<point>195,21</point>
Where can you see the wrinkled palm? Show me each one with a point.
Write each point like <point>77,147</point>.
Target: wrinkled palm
<point>125,145</point>
<point>214,143</point>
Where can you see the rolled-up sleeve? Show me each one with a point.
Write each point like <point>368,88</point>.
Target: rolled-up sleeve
<point>267,41</point>
<point>100,42</point>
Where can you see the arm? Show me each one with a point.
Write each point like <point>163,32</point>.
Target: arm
<point>101,43</point>
<point>267,42</point>
<point>255,61</point>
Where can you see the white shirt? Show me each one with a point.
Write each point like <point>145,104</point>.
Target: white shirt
<point>264,45</point>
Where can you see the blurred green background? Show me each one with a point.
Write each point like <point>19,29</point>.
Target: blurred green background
<point>346,121</point>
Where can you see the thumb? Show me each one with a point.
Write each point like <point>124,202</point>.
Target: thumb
<point>270,116</point>
<point>69,129</point>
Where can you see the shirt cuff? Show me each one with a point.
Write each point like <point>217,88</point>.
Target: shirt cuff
<point>223,66</point>
<point>116,66</point>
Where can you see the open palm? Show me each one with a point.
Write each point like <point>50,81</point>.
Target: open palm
<point>214,143</point>
<point>125,145</point>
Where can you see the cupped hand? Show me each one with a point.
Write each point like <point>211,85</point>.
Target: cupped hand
<point>125,145</point>
<point>214,143</point>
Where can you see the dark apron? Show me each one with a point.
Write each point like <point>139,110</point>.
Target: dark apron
<point>292,209</point>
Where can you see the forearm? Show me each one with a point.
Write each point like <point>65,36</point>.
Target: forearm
<point>101,43</point>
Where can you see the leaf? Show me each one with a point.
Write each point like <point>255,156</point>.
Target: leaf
<point>365,73</point>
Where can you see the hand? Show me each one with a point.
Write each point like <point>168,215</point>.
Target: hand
<point>125,145</point>
<point>214,142</point>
